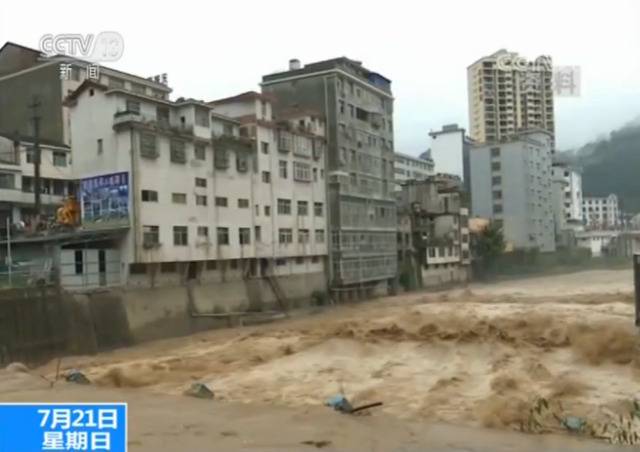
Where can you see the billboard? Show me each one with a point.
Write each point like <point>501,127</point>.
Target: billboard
<point>104,201</point>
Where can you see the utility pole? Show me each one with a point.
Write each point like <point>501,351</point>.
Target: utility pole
<point>37,182</point>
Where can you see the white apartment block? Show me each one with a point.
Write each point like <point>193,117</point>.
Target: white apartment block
<point>511,184</point>
<point>508,94</point>
<point>17,179</point>
<point>208,193</point>
<point>407,167</point>
<point>567,183</point>
<point>601,212</point>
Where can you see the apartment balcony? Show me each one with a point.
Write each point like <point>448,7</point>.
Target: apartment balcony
<point>17,196</point>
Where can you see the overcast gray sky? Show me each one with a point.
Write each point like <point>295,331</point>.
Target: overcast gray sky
<point>216,49</point>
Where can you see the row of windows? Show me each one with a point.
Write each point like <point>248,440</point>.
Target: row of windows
<point>284,205</point>
<point>233,264</point>
<point>151,235</point>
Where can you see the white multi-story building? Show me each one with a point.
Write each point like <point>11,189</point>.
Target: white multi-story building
<point>567,188</point>
<point>208,193</point>
<point>407,167</point>
<point>17,179</point>
<point>601,212</point>
<point>511,184</point>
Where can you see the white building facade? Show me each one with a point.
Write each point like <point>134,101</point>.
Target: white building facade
<point>567,194</point>
<point>511,183</point>
<point>17,179</point>
<point>209,195</point>
<point>407,167</point>
<point>601,212</point>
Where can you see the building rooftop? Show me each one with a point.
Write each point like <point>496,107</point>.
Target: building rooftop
<point>43,60</point>
<point>243,97</point>
<point>353,67</point>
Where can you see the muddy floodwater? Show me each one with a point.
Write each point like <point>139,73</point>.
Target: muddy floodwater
<point>518,356</point>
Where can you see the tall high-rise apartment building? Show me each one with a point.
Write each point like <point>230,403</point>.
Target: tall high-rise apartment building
<point>508,94</point>
<point>358,107</point>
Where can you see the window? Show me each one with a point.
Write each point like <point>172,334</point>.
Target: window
<point>244,236</point>
<point>212,265</point>
<point>497,194</point>
<point>266,177</point>
<point>30,155</point>
<point>147,145</point>
<point>341,104</point>
<point>497,208</point>
<point>133,106</point>
<point>301,171</point>
<point>303,208</point>
<point>257,208</point>
<point>285,235</point>
<point>284,206</point>
<point>319,235</point>
<point>201,182</point>
<point>221,159</point>
<point>100,149</point>
<point>495,166</point>
<point>201,200</point>
<point>149,196</point>
<point>79,261</point>
<point>180,236</point>
<point>351,111</point>
<point>202,117</point>
<point>495,152</point>
<point>221,201</point>
<point>315,259</point>
<point>137,88</point>
<point>299,260</point>
<point>318,209</point>
<point>267,211</point>
<point>178,154</point>
<point>199,151</point>
<point>59,158</point>
<point>150,235</point>
<point>162,115</point>
<point>243,203</point>
<point>315,174</point>
<point>496,180</point>
<point>264,146</point>
<point>7,180</point>
<point>281,262</point>
<point>203,231</point>
<point>257,231</point>
<point>116,83</point>
<point>303,236</point>
<point>282,165</point>
<point>179,198</point>
<point>223,236</point>
<point>242,162</point>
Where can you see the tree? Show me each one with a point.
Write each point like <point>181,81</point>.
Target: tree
<point>487,246</point>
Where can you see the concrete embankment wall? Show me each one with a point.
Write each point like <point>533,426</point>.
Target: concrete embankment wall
<point>37,325</point>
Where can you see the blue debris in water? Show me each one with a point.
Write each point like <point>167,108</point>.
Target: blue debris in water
<point>573,423</point>
<point>339,403</point>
